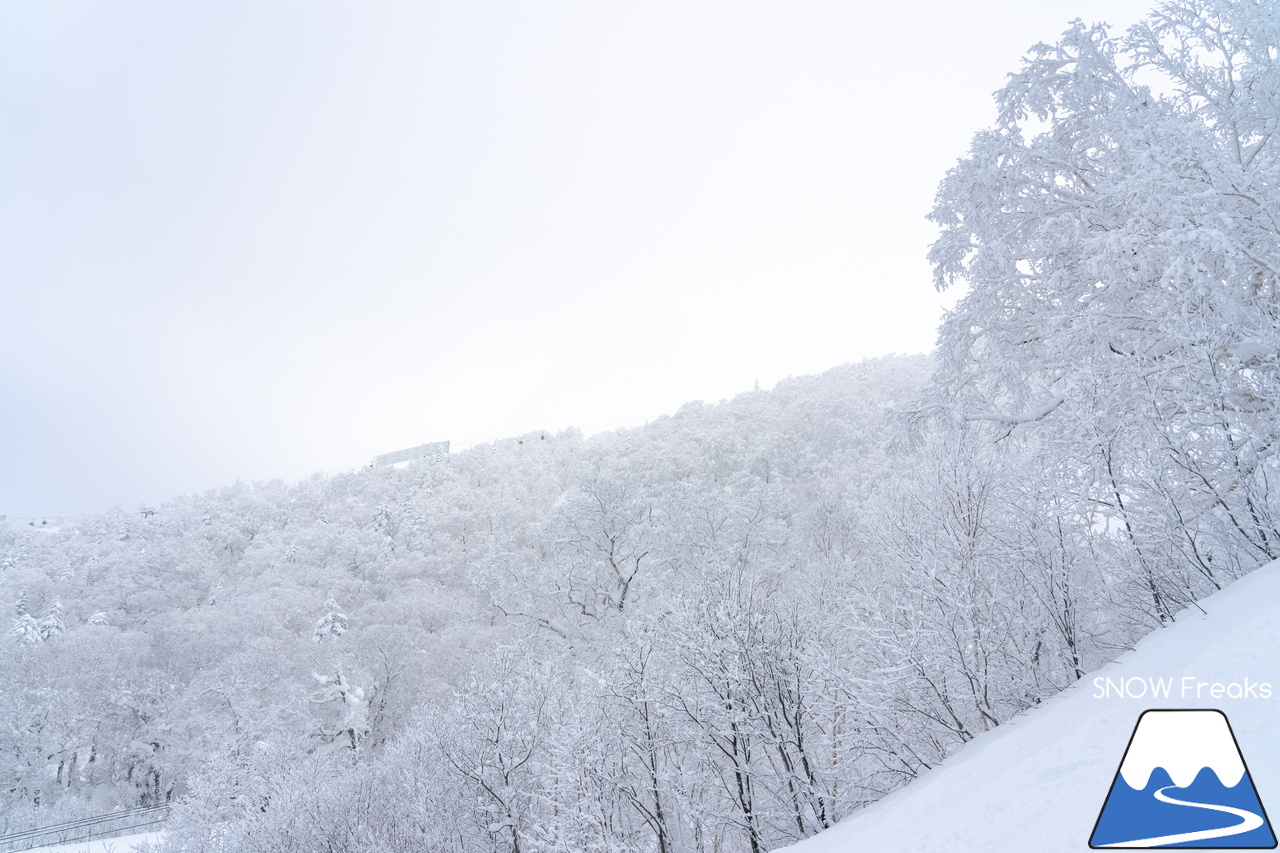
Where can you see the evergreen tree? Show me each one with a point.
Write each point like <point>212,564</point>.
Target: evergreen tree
<point>51,623</point>
<point>332,623</point>
<point>26,630</point>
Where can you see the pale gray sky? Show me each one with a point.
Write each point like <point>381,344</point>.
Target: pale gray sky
<point>260,239</point>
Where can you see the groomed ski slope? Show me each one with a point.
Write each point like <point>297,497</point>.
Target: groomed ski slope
<point>1037,783</point>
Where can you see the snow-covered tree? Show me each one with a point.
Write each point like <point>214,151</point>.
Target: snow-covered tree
<point>1099,210</point>
<point>1117,233</point>
<point>51,623</point>
<point>332,624</point>
<point>351,726</point>
<point>26,630</point>
<point>493,745</point>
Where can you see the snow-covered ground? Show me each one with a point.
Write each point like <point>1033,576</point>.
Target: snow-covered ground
<point>1039,782</point>
<point>125,844</point>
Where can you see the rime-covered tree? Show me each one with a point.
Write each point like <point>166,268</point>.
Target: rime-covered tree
<point>51,623</point>
<point>1117,231</point>
<point>332,624</point>
<point>26,630</point>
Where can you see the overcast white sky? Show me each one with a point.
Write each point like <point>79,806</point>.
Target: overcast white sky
<point>250,240</point>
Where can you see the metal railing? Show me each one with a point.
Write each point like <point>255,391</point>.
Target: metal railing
<point>89,829</point>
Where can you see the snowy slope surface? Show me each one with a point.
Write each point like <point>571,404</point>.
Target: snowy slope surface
<point>1038,782</point>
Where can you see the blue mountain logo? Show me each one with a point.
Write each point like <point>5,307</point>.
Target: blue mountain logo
<point>1183,783</point>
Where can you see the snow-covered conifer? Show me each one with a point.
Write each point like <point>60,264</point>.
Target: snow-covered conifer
<point>26,630</point>
<point>332,623</point>
<point>51,623</point>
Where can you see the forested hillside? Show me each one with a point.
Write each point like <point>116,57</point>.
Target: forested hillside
<point>322,616</point>
<point>733,627</point>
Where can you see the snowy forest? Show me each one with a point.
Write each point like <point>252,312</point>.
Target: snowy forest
<point>739,624</point>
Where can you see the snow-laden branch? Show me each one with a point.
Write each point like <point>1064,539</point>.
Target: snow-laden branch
<point>1021,418</point>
